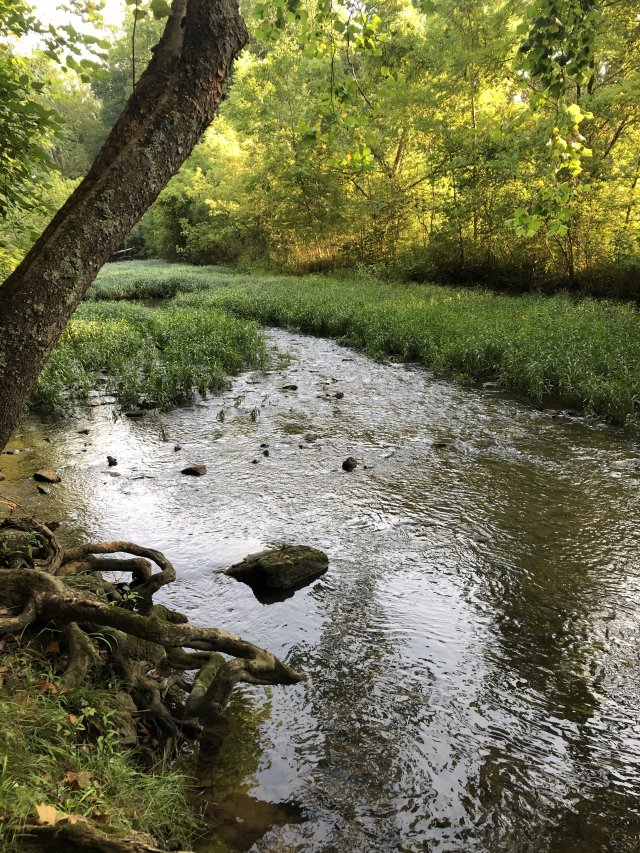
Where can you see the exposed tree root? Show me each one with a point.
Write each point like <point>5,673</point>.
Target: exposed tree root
<point>82,838</point>
<point>109,625</point>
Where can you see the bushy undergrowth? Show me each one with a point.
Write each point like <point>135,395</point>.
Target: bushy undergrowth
<point>64,751</point>
<point>585,353</point>
<point>162,355</point>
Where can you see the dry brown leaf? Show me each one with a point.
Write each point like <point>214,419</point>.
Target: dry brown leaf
<point>73,719</point>
<point>46,686</point>
<point>77,781</point>
<point>48,815</point>
<point>69,778</point>
<point>25,700</point>
<point>52,648</point>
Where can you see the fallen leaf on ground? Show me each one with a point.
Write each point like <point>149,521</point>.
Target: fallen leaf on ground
<point>48,815</point>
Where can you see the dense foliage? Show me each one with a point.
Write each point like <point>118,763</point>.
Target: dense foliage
<point>159,357</point>
<point>459,141</point>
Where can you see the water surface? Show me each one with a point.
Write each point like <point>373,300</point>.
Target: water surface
<point>472,656</point>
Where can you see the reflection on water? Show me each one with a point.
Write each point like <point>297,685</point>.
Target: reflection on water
<point>472,656</point>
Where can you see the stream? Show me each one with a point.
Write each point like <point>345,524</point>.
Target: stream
<point>472,656</point>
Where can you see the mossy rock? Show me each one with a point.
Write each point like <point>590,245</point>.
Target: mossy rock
<point>281,570</point>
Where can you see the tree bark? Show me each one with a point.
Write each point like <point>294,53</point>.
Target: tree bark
<point>173,103</point>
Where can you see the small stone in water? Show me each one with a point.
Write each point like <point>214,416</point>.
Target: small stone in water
<point>12,452</point>
<point>177,447</point>
<point>289,387</point>
<point>83,432</point>
<point>339,395</point>
<point>112,461</point>
<point>254,461</point>
<point>349,464</point>
<point>265,452</point>
<point>2,477</point>
<point>195,470</point>
<point>47,475</point>
<point>264,444</point>
<point>43,490</point>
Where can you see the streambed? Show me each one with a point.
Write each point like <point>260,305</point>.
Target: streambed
<point>472,655</point>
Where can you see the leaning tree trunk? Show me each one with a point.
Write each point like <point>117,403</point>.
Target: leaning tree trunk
<point>173,103</point>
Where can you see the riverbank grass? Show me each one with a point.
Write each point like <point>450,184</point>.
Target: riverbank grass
<point>159,355</point>
<point>62,762</point>
<point>584,353</point>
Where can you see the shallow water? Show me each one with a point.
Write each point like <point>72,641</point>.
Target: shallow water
<point>472,655</point>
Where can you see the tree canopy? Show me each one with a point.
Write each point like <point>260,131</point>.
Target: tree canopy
<point>437,139</point>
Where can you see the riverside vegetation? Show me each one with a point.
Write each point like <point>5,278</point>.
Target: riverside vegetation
<point>204,327</point>
<point>70,753</point>
<point>581,353</point>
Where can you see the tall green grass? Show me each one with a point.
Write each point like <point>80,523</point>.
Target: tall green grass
<point>64,749</point>
<point>151,280</point>
<point>162,355</point>
<point>585,353</point>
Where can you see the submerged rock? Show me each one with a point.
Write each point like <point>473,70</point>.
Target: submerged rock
<point>349,464</point>
<point>47,475</point>
<point>112,461</point>
<point>282,570</point>
<point>2,477</point>
<point>194,470</point>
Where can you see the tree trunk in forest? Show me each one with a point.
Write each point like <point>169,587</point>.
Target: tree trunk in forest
<point>173,103</point>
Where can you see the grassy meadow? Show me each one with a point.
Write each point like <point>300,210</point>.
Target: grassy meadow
<point>584,353</point>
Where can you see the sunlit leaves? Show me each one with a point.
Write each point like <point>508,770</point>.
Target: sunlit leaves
<point>26,126</point>
<point>558,43</point>
<point>157,8</point>
<point>160,9</point>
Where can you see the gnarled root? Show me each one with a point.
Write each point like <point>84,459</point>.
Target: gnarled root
<point>117,626</point>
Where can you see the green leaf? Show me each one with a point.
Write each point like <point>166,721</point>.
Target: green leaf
<point>160,9</point>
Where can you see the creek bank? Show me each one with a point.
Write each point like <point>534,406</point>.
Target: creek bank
<point>97,631</point>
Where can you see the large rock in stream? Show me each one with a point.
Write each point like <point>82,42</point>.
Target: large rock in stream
<point>280,572</point>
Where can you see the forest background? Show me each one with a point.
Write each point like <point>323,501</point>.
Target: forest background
<point>410,140</point>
